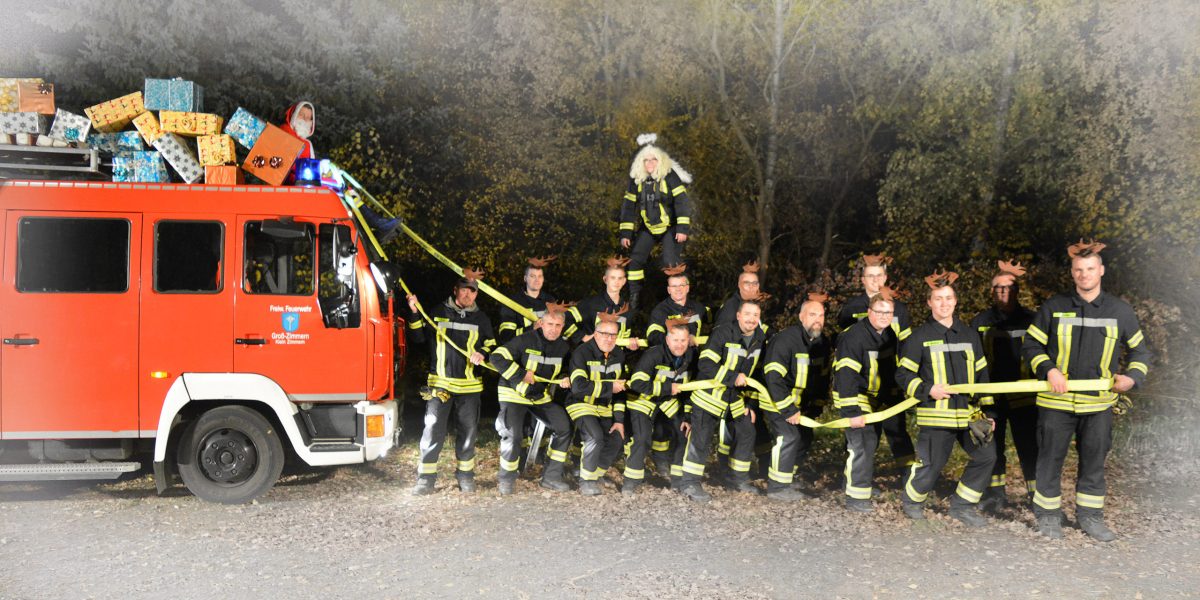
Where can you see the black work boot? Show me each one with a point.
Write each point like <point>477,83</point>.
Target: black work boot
<point>552,477</point>
<point>588,488</point>
<point>695,492</point>
<point>785,494</point>
<point>913,510</point>
<point>994,500</point>
<point>1049,524</point>
<point>466,481</point>
<point>859,505</point>
<point>1092,523</point>
<point>739,482</point>
<point>424,486</point>
<point>967,514</point>
<point>629,486</point>
<point>506,485</point>
<point>662,466</point>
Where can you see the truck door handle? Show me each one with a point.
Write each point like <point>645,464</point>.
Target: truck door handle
<point>21,341</point>
<point>250,341</point>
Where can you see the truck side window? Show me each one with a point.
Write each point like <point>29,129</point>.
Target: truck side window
<point>278,265</point>
<point>68,254</point>
<point>187,257</point>
<point>337,281</point>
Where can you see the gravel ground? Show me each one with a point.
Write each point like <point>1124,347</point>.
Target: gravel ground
<point>356,532</point>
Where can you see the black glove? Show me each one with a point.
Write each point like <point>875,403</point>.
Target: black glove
<point>1123,405</point>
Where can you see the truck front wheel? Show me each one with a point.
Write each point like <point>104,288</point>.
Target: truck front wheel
<point>230,455</point>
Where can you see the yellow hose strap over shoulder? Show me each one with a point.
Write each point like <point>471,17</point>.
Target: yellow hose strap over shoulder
<point>1026,386</point>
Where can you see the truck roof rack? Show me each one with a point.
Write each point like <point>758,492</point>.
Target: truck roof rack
<point>40,162</point>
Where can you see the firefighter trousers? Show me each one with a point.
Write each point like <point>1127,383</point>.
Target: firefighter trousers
<point>790,444</point>
<point>600,446</point>
<point>699,442</point>
<point>510,424</point>
<point>639,256</point>
<point>934,445</point>
<point>861,444</point>
<point>1023,424</point>
<point>1093,439</point>
<point>645,434</point>
<point>465,408</point>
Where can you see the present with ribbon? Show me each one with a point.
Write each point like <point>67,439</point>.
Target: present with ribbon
<point>223,175</point>
<point>22,122</point>
<point>146,167</point>
<point>216,150</point>
<point>115,114</point>
<point>245,127</point>
<point>273,154</point>
<point>191,124</point>
<point>112,143</point>
<point>174,94</point>
<point>35,97</point>
<point>9,95</point>
<point>69,127</point>
<point>178,154</point>
<point>147,125</point>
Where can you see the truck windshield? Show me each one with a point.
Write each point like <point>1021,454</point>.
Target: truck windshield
<point>278,265</point>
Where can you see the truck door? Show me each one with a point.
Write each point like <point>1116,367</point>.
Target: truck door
<point>70,328</point>
<point>298,310</point>
<point>187,306</point>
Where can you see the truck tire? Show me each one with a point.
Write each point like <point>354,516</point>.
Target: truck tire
<point>230,455</point>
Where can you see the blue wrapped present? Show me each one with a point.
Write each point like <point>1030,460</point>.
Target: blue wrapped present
<point>142,167</point>
<point>245,127</point>
<point>173,94</point>
<point>112,143</point>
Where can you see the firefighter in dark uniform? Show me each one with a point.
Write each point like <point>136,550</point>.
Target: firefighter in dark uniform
<point>1002,329</point>
<point>676,306</point>
<point>534,298</point>
<point>597,401</point>
<point>656,209</point>
<point>858,368</point>
<point>1081,335</point>
<point>538,353</point>
<point>797,376</point>
<point>583,317</point>
<point>747,288</point>
<point>946,351</point>
<point>657,404</point>
<point>874,278</point>
<point>728,358</point>
<point>453,381</point>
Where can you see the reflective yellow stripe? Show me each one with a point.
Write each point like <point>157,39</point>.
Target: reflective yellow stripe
<point>967,493</point>
<point>852,364</point>
<point>1138,366</point>
<point>466,465</point>
<point>632,473</point>
<point>678,190</point>
<point>911,391</point>
<point>1037,360</point>
<point>509,466</point>
<point>998,481</point>
<point>1054,503</point>
<point>909,364</point>
<point>427,468</point>
<point>556,455</point>
<point>1135,340</point>
<point>1088,500</point>
<point>912,492</point>
<point>1037,334</point>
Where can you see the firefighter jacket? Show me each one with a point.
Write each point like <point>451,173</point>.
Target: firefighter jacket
<point>513,324</point>
<point>728,313</point>
<point>1082,340</point>
<point>796,371</point>
<point>727,354</point>
<point>592,375</point>
<point>855,310</point>
<point>655,206</point>
<point>583,317</point>
<point>468,328</point>
<point>530,351</point>
<point>1002,336</point>
<point>951,355</point>
<point>864,369</point>
<point>656,333</point>
<point>651,381</point>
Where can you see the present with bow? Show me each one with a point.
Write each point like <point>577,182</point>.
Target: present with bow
<point>9,94</point>
<point>191,124</point>
<point>216,150</point>
<point>35,97</point>
<point>69,127</point>
<point>273,154</point>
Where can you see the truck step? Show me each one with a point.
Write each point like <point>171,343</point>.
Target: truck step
<point>66,471</point>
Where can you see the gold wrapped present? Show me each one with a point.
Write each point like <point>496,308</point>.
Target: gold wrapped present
<point>9,97</point>
<point>147,125</point>
<point>114,115</point>
<point>216,150</point>
<point>190,123</point>
<point>35,97</point>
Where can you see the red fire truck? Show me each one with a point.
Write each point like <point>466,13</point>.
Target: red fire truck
<point>218,329</point>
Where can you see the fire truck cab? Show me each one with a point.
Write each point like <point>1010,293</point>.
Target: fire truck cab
<point>213,330</point>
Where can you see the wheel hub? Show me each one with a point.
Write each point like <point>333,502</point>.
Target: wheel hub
<point>228,456</point>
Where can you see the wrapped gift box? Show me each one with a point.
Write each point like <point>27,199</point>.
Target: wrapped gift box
<point>70,127</point>
<point>22,122</point>
<point>9,96</point>
<point>191,124</point>
<point>245,127</point>
<point>140,167</point>
<point>112,143</point>
<point>179,155</point>
<point>147,125</point>
<point>115,114</point>
<point>216,150</point>
<point>35,97</point>
<point>273,154</point>
<point>174,94</point>
<point>223,175</point>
